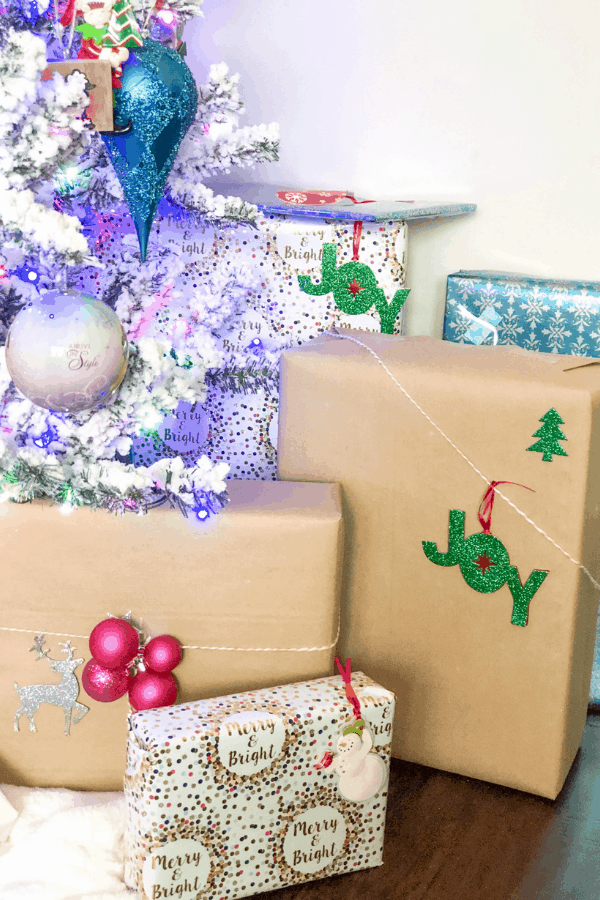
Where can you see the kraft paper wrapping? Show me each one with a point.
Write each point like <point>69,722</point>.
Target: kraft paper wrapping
<point>264,573</point>
<point>476,694</point>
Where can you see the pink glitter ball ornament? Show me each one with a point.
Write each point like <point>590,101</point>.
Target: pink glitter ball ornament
<point>148,690</point>
<point>162,654</point>
<point>114,643</point>
<point>103,684</point>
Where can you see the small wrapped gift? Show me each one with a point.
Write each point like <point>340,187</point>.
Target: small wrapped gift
<point>247,793</point>
<point>479,615</point>
<point>543,314</point>
<point>252,595</point>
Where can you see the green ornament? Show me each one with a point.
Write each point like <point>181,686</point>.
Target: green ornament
<point>354,288</point>
<point>123,29</point>
<point>485,565</point>
<point>355,728</point>
<point>549,435</point>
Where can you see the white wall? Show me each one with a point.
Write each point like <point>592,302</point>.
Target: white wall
<point>496,103</point>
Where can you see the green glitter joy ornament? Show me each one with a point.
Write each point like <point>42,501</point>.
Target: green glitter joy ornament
<point>483,559</point>
<point>158,96</point>
<point>354,286</point>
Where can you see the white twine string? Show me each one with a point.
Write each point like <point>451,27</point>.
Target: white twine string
<point>198,647</point>
<point>346,337</point>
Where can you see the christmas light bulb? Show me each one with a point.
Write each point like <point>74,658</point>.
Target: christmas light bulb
<point>167,16</point>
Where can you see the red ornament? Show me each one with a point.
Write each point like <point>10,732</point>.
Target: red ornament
<point>163,653</point>
<point>114,643</point>
<point>148,690</point>
<point>104,684</point>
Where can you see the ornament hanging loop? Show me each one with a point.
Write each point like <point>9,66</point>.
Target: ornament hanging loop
<point>350,693</point>
<point>487,504</point>
<point>356,240</point>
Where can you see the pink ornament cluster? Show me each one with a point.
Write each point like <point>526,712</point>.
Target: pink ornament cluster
<point>115,648</point>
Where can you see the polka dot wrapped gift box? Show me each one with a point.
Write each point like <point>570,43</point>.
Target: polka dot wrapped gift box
<point>238,795</point>
<point>311,260</point>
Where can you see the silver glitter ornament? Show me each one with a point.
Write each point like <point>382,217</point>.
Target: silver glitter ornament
<point>63,694</point>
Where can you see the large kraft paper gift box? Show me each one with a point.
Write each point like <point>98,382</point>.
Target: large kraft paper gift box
<point>486,641</point>
<point>264,574</point>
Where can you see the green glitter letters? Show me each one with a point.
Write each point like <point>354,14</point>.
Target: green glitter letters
<point>354,289</point>
<point>485,565</point>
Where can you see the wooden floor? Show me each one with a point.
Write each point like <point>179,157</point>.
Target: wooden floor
<point>453,838</point>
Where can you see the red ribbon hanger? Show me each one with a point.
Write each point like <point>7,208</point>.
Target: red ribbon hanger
<point>487,504</point>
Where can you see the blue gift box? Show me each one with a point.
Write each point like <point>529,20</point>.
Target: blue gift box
<point>542,314</point>
<point>548,315</point>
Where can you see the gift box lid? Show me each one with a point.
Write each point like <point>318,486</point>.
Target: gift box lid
<point>343,205</point>
<point>503,277</point>
<point>150,728</point>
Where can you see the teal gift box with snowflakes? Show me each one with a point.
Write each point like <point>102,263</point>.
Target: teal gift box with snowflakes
<point>547,315</point>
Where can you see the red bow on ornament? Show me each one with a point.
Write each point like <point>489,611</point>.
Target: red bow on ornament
<point>116,648</point>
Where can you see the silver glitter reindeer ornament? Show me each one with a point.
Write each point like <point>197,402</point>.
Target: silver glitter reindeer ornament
<point>63,694</point>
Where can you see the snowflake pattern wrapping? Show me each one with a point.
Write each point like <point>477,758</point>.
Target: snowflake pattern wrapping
<point>542,314</point>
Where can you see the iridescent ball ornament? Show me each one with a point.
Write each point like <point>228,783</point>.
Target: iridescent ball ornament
<point>66,351</point>
<point>159,98</point>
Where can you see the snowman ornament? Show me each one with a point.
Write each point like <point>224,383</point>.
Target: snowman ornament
<point>361,772</point>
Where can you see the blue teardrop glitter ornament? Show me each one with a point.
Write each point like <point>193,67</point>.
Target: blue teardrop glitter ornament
<point>160,99</point>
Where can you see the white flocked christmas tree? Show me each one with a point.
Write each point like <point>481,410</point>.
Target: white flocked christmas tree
<point>59,201</point>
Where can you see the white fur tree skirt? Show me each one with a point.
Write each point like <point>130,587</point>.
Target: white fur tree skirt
<point>64,845</point>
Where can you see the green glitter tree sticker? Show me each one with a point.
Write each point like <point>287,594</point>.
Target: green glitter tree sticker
<point>549,435</point>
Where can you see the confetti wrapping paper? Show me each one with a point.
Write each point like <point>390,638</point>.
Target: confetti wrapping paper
<point>225,797</point>
<point>243,426</point>
<point>285,242</point>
